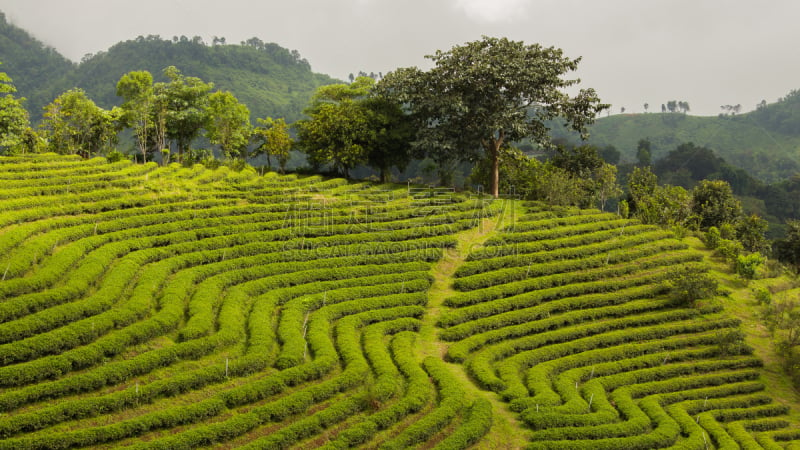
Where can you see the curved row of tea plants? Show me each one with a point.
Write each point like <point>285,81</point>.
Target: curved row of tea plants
<point>170,307</point>
<point>567,315</point>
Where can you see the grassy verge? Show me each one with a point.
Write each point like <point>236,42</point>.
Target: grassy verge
<point>506,431</point>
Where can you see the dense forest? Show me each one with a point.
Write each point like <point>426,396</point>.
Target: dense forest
<point>270,79</point>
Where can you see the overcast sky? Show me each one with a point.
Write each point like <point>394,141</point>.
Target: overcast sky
<point>706,52</point>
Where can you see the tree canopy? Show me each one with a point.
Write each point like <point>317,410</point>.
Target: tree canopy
<point>485,94</point>
<point>73,124</point>
<point>229,124</point>
<point>13,115</point>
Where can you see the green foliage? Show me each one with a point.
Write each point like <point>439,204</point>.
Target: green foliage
<point>115,156</point>
<point>34,66</point>
<point>13,117</point>
<point>605,185</point>
<point>394,132</point>
<point>729,249</point>
<point>714,204</point>
<point>74,125</point>
<point>644,153</point>
<point>517,171</point>
<point>610,154</point>
<point>712,238</point>
<point>299,306</point>
<point>13,124</point>
<point>229,124</point>
<point>479,96</point>
<point>6,84</point>
<point>186,103</point>
<point>751,231</point>
<point>136,88</point>
<point>580,161</point>
<point>273,139</point>
<point>642,183</point>
<point>339,130</point>
<point>703,164</point>
<point>788,248</point>
<point>271,80</point>
<point>557,186</point>
<point>653,204</point>
<point>688,286</point>
<point>747,265</point>
<point>761,142</point>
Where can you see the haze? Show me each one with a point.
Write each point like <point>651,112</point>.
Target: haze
<point>708,53</point>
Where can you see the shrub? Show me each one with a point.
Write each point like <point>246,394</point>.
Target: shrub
<point>688,286</point>
<point>729,249</point>
<point>747,266</point>
<point>712,238</point>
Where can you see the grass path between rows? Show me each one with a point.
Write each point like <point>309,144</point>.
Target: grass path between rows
<point>506,431</point>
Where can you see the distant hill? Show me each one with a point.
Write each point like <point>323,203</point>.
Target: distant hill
<point>268,78</point>
<point>33,66</point>
<point>765,142</point>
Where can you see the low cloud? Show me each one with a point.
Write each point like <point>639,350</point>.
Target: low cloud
<point>492,11</point>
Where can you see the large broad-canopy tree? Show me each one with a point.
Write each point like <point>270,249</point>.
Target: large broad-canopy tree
<point>483,95</point>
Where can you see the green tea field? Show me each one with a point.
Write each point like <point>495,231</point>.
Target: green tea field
<point>144,306</point>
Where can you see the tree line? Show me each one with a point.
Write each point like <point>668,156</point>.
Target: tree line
<point>471,106</point>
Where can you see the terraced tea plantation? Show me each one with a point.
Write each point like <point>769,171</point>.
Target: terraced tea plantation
<point>168,307</point>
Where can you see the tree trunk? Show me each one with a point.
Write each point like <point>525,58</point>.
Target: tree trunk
<point>494,153</point>
<point>495,173</point>
<point>384,175</point>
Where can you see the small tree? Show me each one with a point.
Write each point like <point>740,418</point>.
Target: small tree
<point>751,232</point>
<point>605,184</point>
<point>747,265</point>
<point>13,123</point>
<point>339,129</point>
<point>13,117</point>
<point>687,286</point>
<point>644,152</point>
<point>713,202</point>
<point>274,140</point>
<point>229,124</point>
<point>73,124</point>
<point>187,108</point>
<point>788,248</point>
<point>136,88</point>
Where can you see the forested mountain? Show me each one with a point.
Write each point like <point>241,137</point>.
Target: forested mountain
<point>765,142</point>
<point>34,67</point>
<point>269,79</point>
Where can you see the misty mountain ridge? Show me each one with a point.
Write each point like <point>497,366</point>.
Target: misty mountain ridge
<point>765,142</point>
<point>269,79</point>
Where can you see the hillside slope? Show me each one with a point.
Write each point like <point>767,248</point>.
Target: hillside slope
<point>168,307</point>
<point>33,66</point>
<point>765,142</point>
<point>269,79</point>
